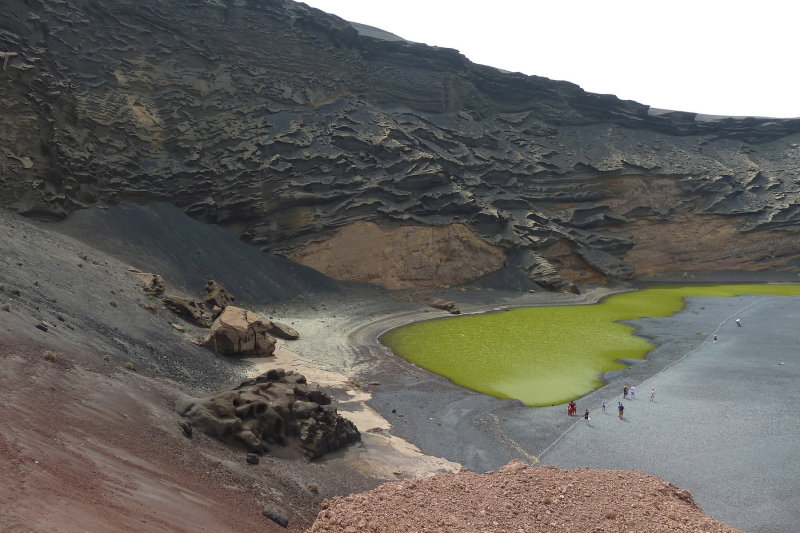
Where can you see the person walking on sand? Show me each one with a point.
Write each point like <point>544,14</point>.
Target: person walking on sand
<point>604,406</point>
<point>738,323</point>
<point>586,417</point>
<point>652,395</point>
<point>633,392</point>
<point>625,392</point>
<point>715,339</point>
<point>621,410</point>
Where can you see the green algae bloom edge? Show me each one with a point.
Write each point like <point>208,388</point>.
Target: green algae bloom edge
<point>551,354</point>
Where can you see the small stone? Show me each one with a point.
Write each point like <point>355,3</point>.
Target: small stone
<point>42,326</point>
<point>252,458</point>
<point>276,516</point>
<point>113,303</point>
<point>187,428</point>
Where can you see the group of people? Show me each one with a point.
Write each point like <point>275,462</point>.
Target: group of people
<point>572,407</point>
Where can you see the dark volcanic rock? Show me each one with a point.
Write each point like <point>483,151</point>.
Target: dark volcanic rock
<point>275,408</point>
<point>276,516</point>
<point>445,305</point>
<point>188,308</point>
<point>283,125</point>
<point>606,263</point>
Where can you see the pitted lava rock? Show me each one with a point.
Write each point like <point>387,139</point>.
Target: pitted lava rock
<point>277,408</point>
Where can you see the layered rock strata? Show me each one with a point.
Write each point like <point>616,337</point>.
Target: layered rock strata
<point>287,126</point>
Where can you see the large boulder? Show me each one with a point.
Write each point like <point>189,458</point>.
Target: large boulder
<point>277,408</point>
<point>282,331</point>
<point>445,305</point>
<point>238,331</point>
<point>188,308</point>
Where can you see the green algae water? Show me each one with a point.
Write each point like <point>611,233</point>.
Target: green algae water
<point>547,355</point>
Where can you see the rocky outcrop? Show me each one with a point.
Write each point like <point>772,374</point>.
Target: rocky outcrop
<point>217,298</point>
<point>240,332</point>
<point>277,408</point>
<point>188,308</point>
<point>288,127</point>
<point>152,283</point>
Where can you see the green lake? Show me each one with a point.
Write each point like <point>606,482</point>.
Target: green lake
<point>547,355</point>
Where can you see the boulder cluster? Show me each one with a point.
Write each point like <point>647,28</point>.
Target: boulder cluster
<point>232,330</point>
<point>276,408</point>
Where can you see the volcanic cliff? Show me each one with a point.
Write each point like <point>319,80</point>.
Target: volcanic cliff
<point>352,151</point>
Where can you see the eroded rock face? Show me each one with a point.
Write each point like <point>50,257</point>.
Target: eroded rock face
<point>188,308</point>
<point>277,408</point>
<point>308,128</point>
<point>238,331</point>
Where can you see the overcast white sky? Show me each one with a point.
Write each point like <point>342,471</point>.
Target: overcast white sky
<point>707,56</point>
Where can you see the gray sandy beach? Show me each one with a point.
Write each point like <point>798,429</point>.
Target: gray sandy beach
<point>722,425</point>
<point>724,421</point>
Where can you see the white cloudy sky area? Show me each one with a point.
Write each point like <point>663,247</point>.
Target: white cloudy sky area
<point>706,56</point>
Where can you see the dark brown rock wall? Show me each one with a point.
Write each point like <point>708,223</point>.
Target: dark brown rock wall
<point>284,125</point>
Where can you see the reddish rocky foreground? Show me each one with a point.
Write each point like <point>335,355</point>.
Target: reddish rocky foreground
<point>519,499</point>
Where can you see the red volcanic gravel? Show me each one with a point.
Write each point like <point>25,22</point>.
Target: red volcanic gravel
<point>519,499</point>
